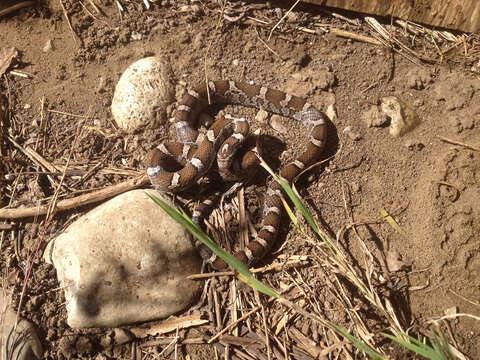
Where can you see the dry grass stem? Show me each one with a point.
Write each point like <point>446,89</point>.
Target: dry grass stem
<point>169,325</point>
<point>74,34</point>
<point>40,161</point>
<point>392,40</point>
<point>283,18</point>
<point>268,47</point>
<point>20,74</point>
<point>235,323</point>
<point>356,37</point>
<point>475,303</point>
<point>16,7</point>
<point>455,316</point>
<point>455,142</point>
<point>67,204</point>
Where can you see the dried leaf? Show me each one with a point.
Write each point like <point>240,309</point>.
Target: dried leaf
<point>391,221</point>
<point>239,341</point>
<point>281,324</point>
<point>169,325</point>
<point>305,343</point>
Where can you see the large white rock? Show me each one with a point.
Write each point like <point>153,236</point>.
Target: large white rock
<point>143,93</point>
<point>124,262</point>
<point>18,341</point>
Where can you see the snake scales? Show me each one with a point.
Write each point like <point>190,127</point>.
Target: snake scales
<point>197,151</point>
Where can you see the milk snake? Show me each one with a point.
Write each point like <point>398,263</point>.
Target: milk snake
<point>197,151</point>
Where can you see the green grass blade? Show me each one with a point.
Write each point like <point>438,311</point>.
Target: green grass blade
<point>443,344</point>
<point>293,196</point>
<point>419,347</point>
<point>243,273</point>
<point>359,344</point>
<point>299,205</point>
<point>291,215</point>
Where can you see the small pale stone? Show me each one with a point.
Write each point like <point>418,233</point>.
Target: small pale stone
<point>21,341</point>
<point>451,311</point>
<point>261,116</point>
<point>124,262</point>
<point>403,118</point>
<point>277,124</point>
<point>143,93</point>
<point>331,112</point>
<point>48,46</point>
<point>352,134</point>
<point>374,117</point>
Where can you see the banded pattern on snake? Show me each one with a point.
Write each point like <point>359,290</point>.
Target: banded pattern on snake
<point>197,151</point>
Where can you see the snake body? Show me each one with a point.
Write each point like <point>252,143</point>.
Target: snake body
<point>197,151</point>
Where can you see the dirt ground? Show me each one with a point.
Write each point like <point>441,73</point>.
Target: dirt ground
<point>429,186</point>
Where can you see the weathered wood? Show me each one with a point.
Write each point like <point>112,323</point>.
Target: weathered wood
<point>461,15</point>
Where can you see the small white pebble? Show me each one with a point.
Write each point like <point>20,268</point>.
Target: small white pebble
<point>261,116</point>
<point>277,124</point>
<point>331,112</point>
<point>48,46</point>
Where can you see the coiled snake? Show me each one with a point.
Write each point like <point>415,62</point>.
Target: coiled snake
<point>198,151</point>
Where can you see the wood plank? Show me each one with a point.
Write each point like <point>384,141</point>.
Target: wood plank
<point>461,15</point>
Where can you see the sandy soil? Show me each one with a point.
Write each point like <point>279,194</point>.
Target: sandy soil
<point>429,186</point>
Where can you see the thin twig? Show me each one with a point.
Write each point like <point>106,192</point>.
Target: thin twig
<point>283,18</point>
<point>357,37</point>
<point>455,142</point>
<point>68,22</point>
<point>454,316</point>
<point>78,201</point>
<point>16,7</point>
<point>207,52</point>
<point>232,324</point>
<point>268,47</point>
<point>272,267</point>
